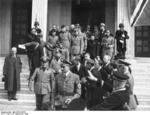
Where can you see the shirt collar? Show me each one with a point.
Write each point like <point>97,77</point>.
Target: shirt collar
<point>92,68</point>
<point>121,89</point>
<point>67,73</point>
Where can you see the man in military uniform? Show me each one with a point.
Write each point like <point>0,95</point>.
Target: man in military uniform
<point>56,62</point>
<point>51,43</point>
<point>44,84</point>
<point>119,96</point>
<point>121,37</point>
<point>77,44</point>
<point>68,88</point>
<point>108,44</point>
<point>64,39</point>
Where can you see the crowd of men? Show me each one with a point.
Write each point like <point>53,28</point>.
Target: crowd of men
<point>79,71</point>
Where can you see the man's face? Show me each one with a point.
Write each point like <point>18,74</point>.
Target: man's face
<point>65,68</point>
<point>122,68</point>
<point>107,33</point>
<point>102,28</point>
<point>63,29</point>
<point>54,27</point>
<point>44,64</point>
<point>53,33</point>
<point>106,59</point>
<point>86,56</point>
<point>122,28</point>
<point>13,51</point>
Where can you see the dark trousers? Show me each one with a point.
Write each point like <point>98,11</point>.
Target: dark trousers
<point>42,101</point>
<point>75,105</point>
<point>12,94</point>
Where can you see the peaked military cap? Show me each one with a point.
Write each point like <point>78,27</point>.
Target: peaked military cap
<point>120,61</point>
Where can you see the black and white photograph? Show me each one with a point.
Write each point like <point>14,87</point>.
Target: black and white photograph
<point>74,55</point>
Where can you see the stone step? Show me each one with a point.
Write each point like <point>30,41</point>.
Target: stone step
<point>19,92</point>
<point>23,88</point>
<point>19,96</point>
<point>18,102</point>
<point>143,108</point>
<point>17,108</point>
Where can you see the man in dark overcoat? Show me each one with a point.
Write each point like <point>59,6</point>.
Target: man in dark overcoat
<point>11,71</point>
<point>94,84</point>
<point>121,37</point>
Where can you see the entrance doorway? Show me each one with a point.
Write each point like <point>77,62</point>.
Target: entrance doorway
<point>142,41</point>
<point>88,12</point>
<point>21,22</point>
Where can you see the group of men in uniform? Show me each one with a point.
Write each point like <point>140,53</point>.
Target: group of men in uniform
<point>78,72</point>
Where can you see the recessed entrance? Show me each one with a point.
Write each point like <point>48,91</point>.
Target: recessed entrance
<point>87,12</point>
<point>21,22</point>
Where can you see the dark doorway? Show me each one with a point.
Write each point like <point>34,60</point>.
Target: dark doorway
<point>21,22</point>
<point>88,12</point>
<point>142,41</point>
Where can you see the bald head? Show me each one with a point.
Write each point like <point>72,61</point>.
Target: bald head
<point>13,50</point>
<point>106,59</point>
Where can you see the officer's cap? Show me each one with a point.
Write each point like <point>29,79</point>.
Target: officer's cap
<point>44,59</point>
<point>65,62</point>
<point>120,76</point>
<point>120,61</point>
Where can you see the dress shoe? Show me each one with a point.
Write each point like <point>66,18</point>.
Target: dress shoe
<point>14,98</point>
<point>9,99</point>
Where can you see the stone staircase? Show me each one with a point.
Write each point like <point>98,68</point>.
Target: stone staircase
<point>141,72</point>
<point>26,99</point>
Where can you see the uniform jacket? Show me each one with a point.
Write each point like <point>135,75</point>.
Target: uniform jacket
<point>11,70</point>
<point>77,44</point>
<point>56,65</point>
<point>64,39</point>
<point>43,81</point>
<point>67,87</point>
<point>114,102</point>
<point>107,41</point>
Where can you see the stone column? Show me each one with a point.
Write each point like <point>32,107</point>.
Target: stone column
<point>5,26</point>
<point>123,16</point>
<point>39,12</point>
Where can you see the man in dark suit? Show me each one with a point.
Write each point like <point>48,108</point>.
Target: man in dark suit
<point>106,76</point>
<point>80,70</point>
<point>121,37</point>
<point>119,96</point>
<point>94,84</point>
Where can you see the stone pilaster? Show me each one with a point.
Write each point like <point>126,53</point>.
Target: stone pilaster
<point>123,16</point>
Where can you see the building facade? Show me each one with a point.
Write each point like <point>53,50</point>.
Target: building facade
<point>18,16</point>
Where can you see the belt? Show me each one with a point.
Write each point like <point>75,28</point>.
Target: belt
<point>66,94</point>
